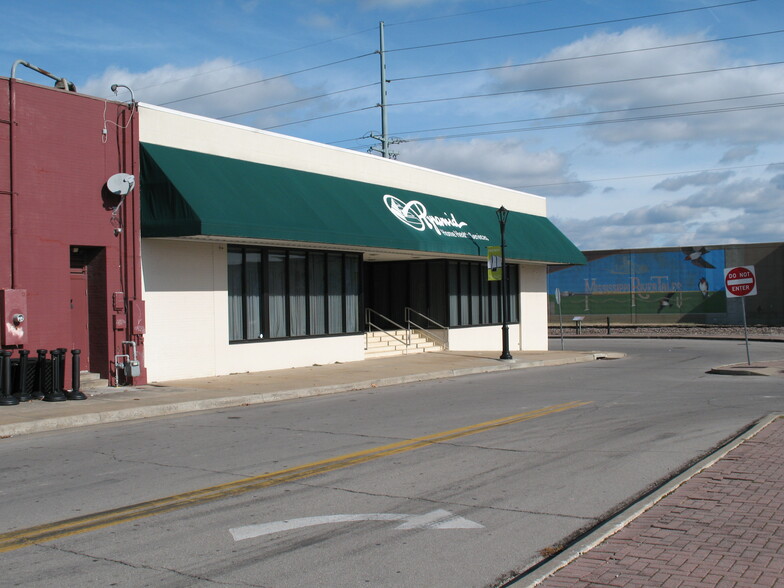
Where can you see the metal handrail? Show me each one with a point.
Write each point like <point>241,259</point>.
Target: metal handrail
<point>369,324</point>
<point>443,340</point>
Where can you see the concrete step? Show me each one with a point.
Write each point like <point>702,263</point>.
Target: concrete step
<point>381,344</point>
<point>88,380</point>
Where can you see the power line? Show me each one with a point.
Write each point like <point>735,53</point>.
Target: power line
<point>569,27</point>
<point>572,115</point>
<point>268,79</point>
<point>588,123</point>
<point>298,101</point>
<point>599,122</point>
<point>682,173</point>
<point>311,45</point>
<point>326,42</point>
<point>320,117</point>
<point>587,84</point>
<point>563,59</point>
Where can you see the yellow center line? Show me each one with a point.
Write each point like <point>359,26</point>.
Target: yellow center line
<point>92,522</point>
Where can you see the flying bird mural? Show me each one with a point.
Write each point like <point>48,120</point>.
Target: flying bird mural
<point>695,255</point>
<point>665,302</point>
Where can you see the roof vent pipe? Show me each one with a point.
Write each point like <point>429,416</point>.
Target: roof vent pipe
<point>60,83</point>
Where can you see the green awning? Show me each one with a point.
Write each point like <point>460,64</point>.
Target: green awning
<point>184,193</point>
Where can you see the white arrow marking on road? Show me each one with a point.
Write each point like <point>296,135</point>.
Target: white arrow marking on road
<point>437,519</point>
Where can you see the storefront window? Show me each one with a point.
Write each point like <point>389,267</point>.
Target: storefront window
<point>275,294</point>
<point>475,301</point>
<point>244,278</point>
<point>317,299</point>
<point>298,293</point>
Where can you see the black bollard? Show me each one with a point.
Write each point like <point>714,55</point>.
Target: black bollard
<point>39,388</point>
<point>21,382</point>
<point>55,393</point>
<point>6,398</point>
<point>75,394</point>
<point>62,352</point>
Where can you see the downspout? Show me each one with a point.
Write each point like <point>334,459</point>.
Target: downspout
<point>11,176</point>
<point>136,210</point>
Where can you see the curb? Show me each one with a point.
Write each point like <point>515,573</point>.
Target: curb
<point>185,406</point>
<point>543,570</point>
<point>729,370</point>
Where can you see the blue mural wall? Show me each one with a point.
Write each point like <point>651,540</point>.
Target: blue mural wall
<point>635,283</point>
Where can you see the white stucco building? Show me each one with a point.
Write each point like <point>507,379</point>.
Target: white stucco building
<point>261,251</point>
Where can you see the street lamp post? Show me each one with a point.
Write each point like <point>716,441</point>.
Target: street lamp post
<point>502,213</point>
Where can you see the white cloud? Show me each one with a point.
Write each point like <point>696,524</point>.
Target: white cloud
<point>700,179</point>
<point>660,89</point>
<point>743,211</point>
<point>753,196</point>
<point>739,153</point>
<point>165,84</point>
<point>319,20</point>
<point>505,163</point>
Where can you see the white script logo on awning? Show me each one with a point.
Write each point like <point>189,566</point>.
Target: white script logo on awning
<point>414,214</point>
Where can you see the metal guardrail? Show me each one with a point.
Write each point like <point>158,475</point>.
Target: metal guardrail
<point>369,325</point>
<point>443,340</point>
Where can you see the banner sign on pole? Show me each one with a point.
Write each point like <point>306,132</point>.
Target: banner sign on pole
<point>494,269</point>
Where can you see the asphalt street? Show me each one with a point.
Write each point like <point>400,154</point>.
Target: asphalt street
<point>454,482</point>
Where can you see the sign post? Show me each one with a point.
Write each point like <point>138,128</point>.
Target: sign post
<point>560,316</point>
<point>740,282</point>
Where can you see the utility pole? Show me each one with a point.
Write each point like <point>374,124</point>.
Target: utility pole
<point>382,55</point>
<point>384,137</point>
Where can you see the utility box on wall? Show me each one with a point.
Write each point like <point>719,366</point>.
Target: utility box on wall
<point>13,307</point>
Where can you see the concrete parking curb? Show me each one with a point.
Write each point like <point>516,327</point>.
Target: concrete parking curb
<point>548,567</point>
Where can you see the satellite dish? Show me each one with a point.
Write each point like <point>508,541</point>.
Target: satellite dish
<point>120,184</point>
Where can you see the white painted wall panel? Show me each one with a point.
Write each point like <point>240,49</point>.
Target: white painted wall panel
<point>187,320</point>
<point>483,339</point>
<point>533,307</point>
<point>179,289</point>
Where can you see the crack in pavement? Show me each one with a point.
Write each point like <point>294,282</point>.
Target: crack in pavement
<point>147,567</point>
<point>445,502</point>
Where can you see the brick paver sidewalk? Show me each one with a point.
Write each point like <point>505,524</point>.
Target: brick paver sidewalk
<point>724,527</point>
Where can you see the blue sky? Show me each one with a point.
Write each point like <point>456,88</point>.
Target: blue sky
<point>645,123</point>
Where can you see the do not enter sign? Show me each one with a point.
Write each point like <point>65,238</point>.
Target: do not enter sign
<point>740,281</point>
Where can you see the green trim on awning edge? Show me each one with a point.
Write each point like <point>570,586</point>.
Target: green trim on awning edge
<point>185,193</point>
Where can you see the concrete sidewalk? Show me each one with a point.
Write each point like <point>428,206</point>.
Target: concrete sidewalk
<point>106,405</point>
<point>719,526</point>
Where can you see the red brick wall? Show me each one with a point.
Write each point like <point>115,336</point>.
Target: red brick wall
<point>54,163</point>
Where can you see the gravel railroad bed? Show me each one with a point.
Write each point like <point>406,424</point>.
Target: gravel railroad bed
<point>718,331</point>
